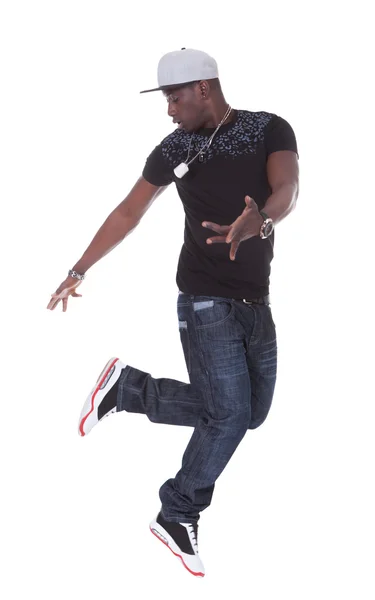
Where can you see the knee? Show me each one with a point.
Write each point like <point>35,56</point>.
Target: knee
<point>238,422</point>
<point>254,424</point>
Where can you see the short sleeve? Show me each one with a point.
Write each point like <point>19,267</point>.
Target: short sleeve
<point>156,170</point>
<point>279,135</point>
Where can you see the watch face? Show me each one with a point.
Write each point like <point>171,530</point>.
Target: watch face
<point>268,229</point>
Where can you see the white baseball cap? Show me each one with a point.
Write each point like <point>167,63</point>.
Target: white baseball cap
<point>184,66</point>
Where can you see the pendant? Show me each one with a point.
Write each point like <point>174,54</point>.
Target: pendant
<point>181,170</point>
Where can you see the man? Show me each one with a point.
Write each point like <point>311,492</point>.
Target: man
<point>236,173</point>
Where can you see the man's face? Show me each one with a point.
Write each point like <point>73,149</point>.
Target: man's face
<point>184,108</point>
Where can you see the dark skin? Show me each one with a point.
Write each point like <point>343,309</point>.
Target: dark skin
<point>199,105</point>
<point>202,104</point>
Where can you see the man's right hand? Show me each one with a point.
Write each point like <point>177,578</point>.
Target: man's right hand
<point>66,289</point>
<point>115,228</point>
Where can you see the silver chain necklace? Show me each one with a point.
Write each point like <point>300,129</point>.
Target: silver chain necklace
<point>183,167</point>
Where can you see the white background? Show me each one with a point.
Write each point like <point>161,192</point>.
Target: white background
<point>292,514</point>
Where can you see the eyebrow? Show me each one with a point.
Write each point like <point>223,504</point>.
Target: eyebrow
<point>170,92</point>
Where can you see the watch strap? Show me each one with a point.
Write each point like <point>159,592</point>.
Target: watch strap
<point>267,221</point>
<point>76,275</point>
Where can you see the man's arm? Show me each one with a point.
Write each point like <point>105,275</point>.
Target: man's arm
<point>115,228</point>
<point>122,221</point>
<point>283,177</point>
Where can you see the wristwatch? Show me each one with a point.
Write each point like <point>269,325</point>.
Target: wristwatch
<point>267,226</point>
<point>76,275</point>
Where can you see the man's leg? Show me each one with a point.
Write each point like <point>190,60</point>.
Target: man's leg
<point>162,400</point>
<point>122,387</point>
<point>165,400</point>
<point>262,363</point>
<point>214,346</point>
<point>174,402</point>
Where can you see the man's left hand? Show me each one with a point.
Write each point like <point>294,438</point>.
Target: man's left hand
<point>246,226</point>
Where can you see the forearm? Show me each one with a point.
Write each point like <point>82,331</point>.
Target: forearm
<point>281,202</point>
<point>113,231</point>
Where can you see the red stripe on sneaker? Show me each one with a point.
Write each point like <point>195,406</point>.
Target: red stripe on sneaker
<point>94,394</point>
<point>199,574</point>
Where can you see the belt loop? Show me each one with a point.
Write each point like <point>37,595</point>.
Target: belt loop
<point>263,300</point>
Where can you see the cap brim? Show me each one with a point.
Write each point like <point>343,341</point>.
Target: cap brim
<point>153,90</point>
<point>163,88</point>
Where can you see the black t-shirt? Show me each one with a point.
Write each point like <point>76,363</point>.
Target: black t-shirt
<point>214,190</point>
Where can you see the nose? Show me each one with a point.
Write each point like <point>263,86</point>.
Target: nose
<point>171,109</point>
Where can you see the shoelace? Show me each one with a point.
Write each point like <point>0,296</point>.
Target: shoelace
<point>194,535</point>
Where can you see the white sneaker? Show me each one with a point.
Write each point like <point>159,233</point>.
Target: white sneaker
<point>182,540</point>
<point>100,403</point>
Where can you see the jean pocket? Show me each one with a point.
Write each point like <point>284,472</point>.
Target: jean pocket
<point>185,342</point>
<point>212,312</point>
<point>270,315</point>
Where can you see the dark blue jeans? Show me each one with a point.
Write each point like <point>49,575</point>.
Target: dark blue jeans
<point>231,356</point>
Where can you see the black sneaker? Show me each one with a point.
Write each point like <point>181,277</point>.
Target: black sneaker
<point>182,540</point>
<point>102,400</point>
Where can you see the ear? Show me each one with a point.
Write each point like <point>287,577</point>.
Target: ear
<point>204,89</point>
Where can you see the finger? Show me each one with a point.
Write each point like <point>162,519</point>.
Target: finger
<point>52,304</point>
<point>233,250</point>
<point>58,291</point>
<point>75,295</point>
<point>216,227</point>
<point>63,294</point>
<point>65,304</point>
<point>53,296</point>
<point>216,240</point>
<point>249,201</point>
<point>234,235</point>
<point>57,294</point>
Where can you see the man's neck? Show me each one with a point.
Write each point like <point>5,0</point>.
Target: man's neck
<point>217,114</point>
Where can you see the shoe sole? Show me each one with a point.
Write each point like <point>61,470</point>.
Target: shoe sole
<point>161,534</point>
<point>94,398</point>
